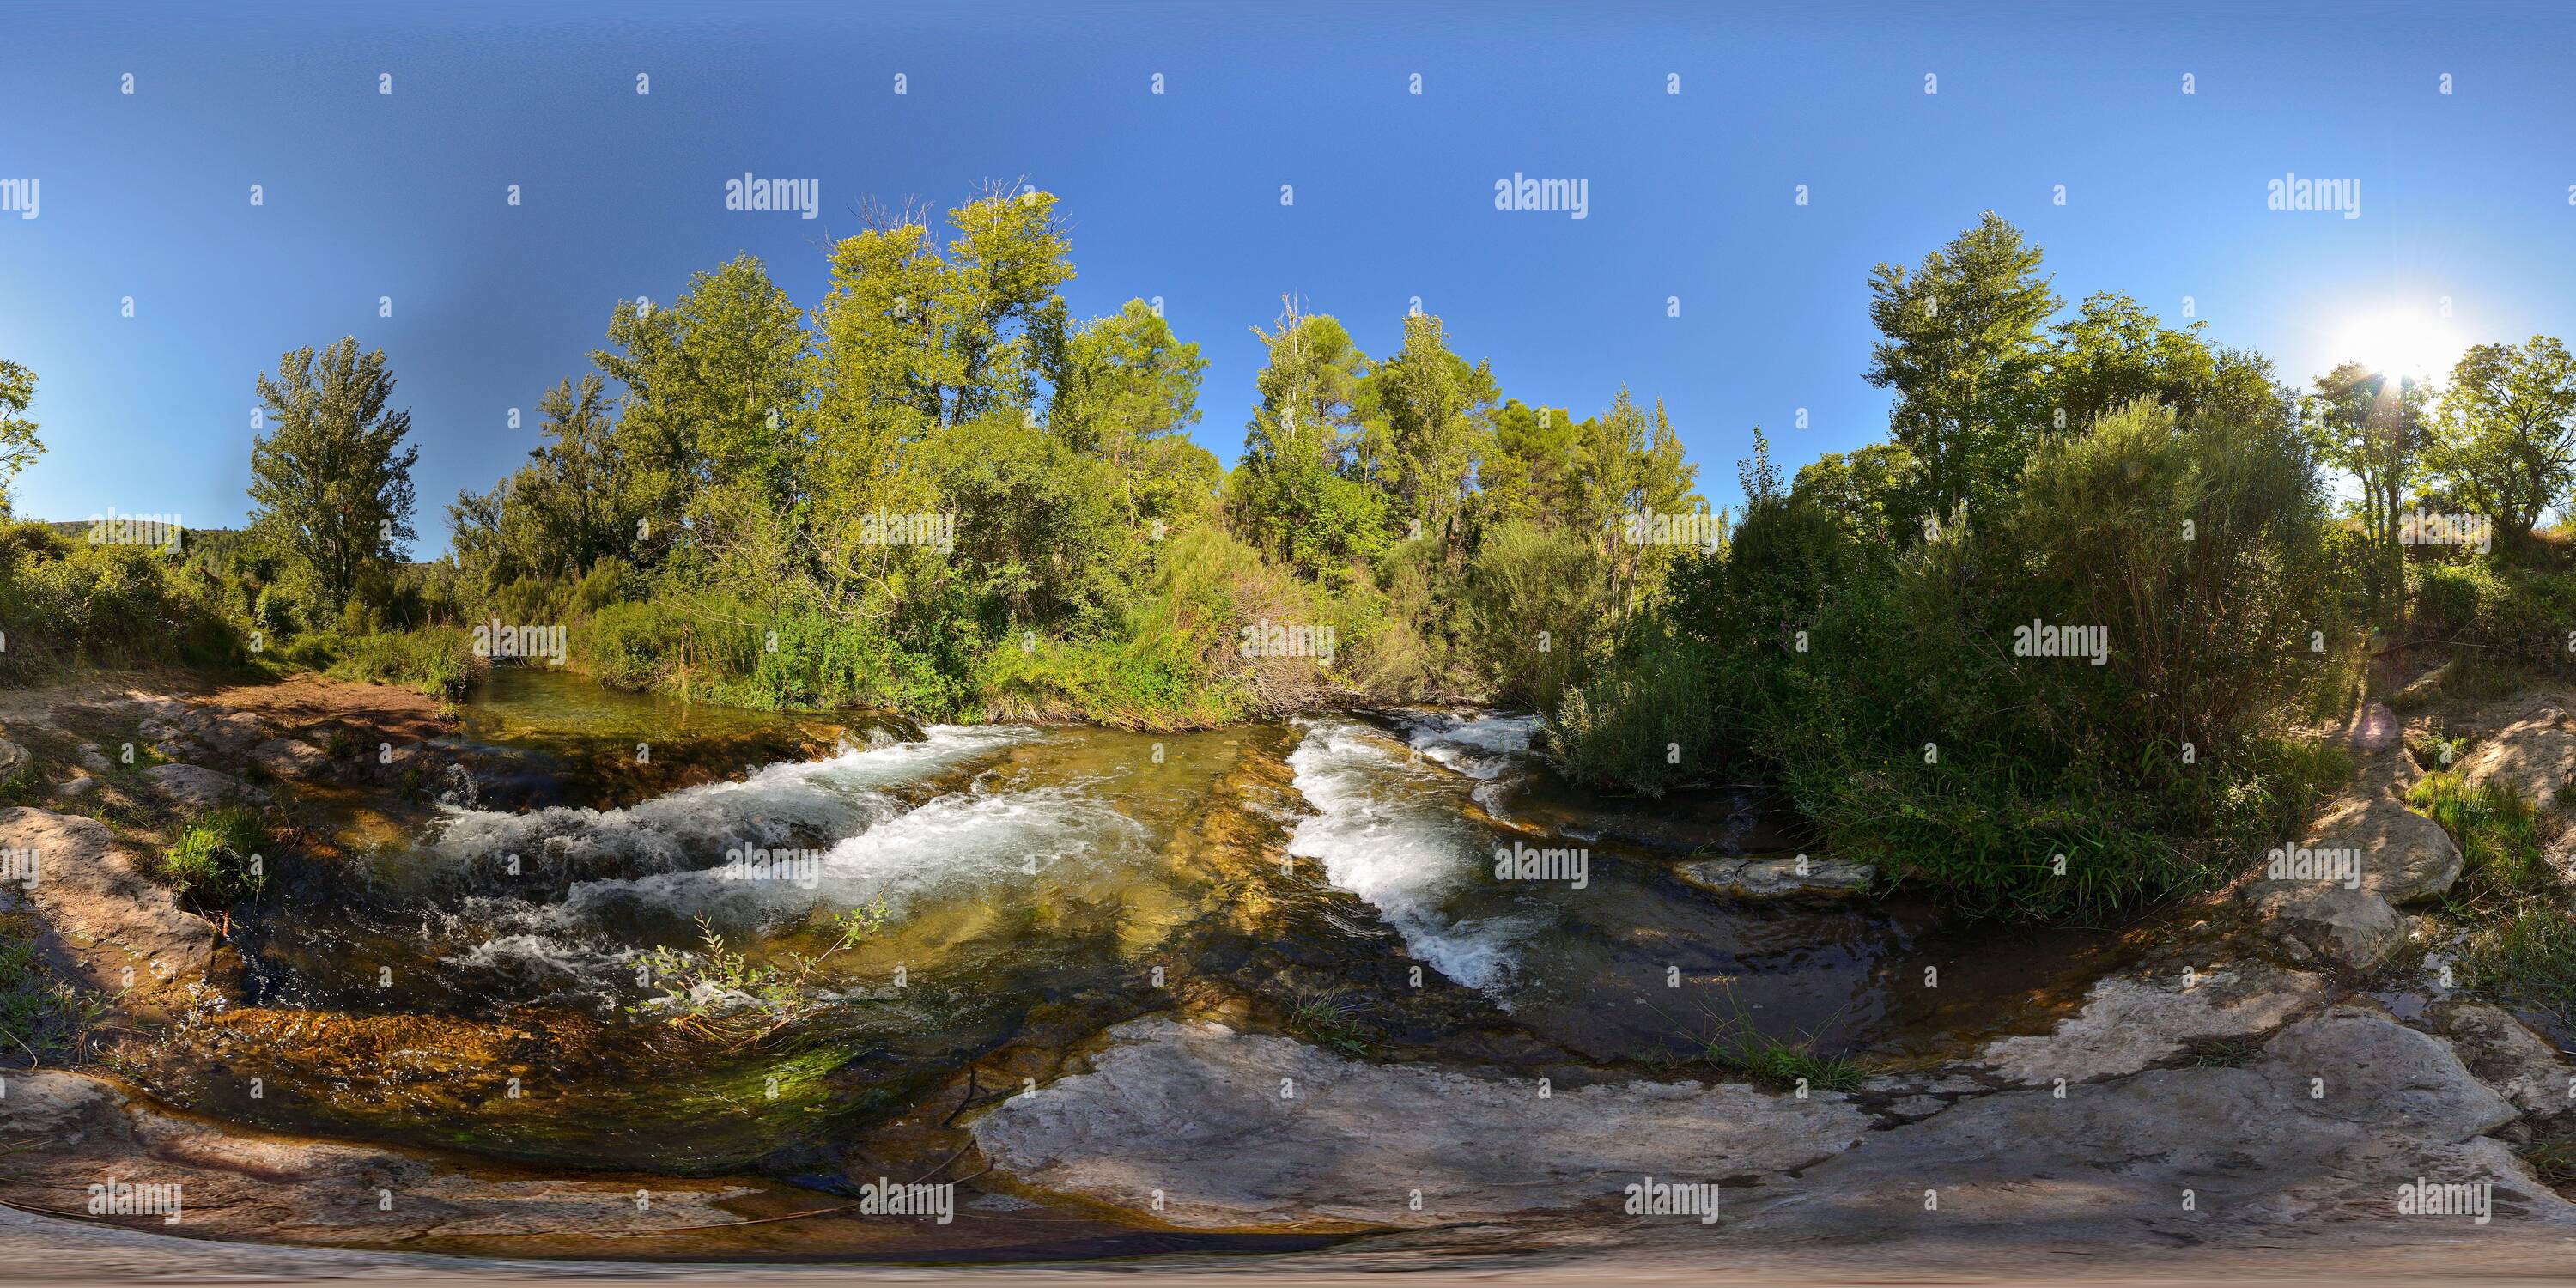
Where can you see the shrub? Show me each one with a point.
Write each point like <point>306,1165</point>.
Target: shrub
<point>437,660</point>
<point>217,861</point>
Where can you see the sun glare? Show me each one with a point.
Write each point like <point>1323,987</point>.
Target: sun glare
<point>2400,344</point>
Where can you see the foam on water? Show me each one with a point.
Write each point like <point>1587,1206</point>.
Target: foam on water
<point>1485,747</point>
<point>1382,835</point>
<point>693,827</point>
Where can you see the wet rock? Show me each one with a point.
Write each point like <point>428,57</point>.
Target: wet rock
<point>197,788</point>
<point>104,918</point>
<point>2337,1112</point>
<point>289,759</point>
<point>2354,928</point>
<point>2535,755</point>
<point>2131,1022</point>
<point>1197,1111</point>
<point>1759,878</point>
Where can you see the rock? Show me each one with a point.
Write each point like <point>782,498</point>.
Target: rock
<point>75,787</point>
<point>2403,855</point>
<point>2376,730</point>
<point>230,732</point>
<point>197,788</point>
<point>2129,1022</point>
<point>289,759</point>
<point>2506,1055</point>
<point>103,917</point>
<point>2263,1149</point>
<point>15,762</point>
<point>1772,877</point>
<point>93,759</point>
<point>2535,755</point>
<point>2351,927</point>
<point>1196,1111</point>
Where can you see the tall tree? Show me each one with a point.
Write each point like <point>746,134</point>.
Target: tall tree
<point>2371,427</point>
<point>331,481</point>
<point>1297,494</point>
<point>2505,441</point>
<point>19,447</point>
<point>1964,352</point>
<point>1125,390</point>
<point>1425,420</point>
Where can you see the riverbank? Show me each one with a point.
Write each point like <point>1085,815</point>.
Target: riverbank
<point>2216,1078</point>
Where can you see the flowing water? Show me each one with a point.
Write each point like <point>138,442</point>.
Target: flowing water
<point>825,925</point>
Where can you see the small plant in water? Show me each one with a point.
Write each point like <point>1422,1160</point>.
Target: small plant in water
<point>717,993</point>
<point>217,860</point>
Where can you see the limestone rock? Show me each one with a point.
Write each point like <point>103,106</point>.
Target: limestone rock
<point>2404,856</point>
<point>1196,1110</point>
<point>290,759</point>
<point>2506,1055</point>
<point>104,917</point>
<point>2131,1022</point>
<point>15,762</point>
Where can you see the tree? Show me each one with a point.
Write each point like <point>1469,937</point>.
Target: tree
<point>2506,437</point>
<point>19,447</point>
<point>2113,351</point>
<point>1296,494</point>
<point>1125,391</point>
<point>2362,424</point>
<point>1965,354</point>
<point>561,512</point>
<point>332,481</point>
<point>1424,423</point>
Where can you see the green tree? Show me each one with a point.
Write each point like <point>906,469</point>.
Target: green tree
<point>2505,440</point>
<point>19,447</point>
<point>1423,415</point>
<point>331,481</point>
<point>563,511</point>
<point>2371,427</point>
<point>1125,391</point>
<point>1963,350</point>
<point>1296,495</point>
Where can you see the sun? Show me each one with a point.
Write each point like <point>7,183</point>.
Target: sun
<point>2407,345</point>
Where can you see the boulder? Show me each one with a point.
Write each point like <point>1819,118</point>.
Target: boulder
<point>1238,1129</point>
<point>2404,856</point>
<point>16,762</point>
<point>2354,928</point>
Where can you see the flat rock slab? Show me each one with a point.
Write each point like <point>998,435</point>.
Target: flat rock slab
<point>1243,1130</point>
<point>2133,1022</point>
<point>2403,855</point>
<point>198,788</point>
<point>290,759</point>
<point>103,918</point>
<point>2338,1112</point>
<point>1764,878</point>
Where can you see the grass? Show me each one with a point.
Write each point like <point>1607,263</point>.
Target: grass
<point>2526,959</point>
<point>1333,1022</point>
<point>2498,832</point>
<point>2222,1053</point>
<point>217,860</point>
<point>436,660</point>
<point>39,1016</point>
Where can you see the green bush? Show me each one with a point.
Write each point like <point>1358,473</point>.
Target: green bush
<point>437,660</point>
<point>218,860</point>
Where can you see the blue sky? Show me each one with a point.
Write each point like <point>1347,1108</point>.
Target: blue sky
<point>2465,197</point>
